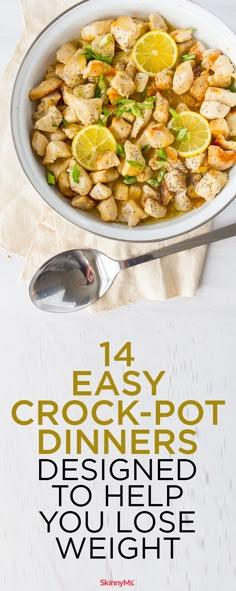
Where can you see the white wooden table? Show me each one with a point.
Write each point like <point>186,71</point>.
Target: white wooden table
<point>192,339</point>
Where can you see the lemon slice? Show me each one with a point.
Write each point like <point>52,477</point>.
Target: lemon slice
<point>90,142</point>
<point>155,51</point>
<point>192,133</point>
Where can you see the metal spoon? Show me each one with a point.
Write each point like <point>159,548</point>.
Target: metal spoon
<point>76,279</point>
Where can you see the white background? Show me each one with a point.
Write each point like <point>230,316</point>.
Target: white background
<point>193,339</point>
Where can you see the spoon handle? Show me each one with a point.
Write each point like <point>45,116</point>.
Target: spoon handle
<point>207,238</point>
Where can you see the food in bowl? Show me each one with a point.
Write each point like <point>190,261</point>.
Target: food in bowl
<point>136,120</point>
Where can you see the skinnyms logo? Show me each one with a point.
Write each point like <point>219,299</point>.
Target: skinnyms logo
<point>124,583</point>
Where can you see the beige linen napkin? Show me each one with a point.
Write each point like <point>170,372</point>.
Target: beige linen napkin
<point>35,231</point>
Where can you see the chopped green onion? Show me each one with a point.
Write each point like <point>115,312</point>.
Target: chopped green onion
<point>101,122</point>
<point>232,88</point>
<point>136,164</point>
<point>129,180</point>
<point>90,54</point>
<point>161,153</point>
<point>65,122</point>
<point>182,134</point>
<point>51,178</point>
<point>75,173</point>
<point>145,105</point>
<point>143,94</point>
<point>124,101</point>
<point>54,125</point>
<point>193,29</point>
<point>135,110</point>
<point>144,148</point>
<point>101,82</point>
<point>188,56</point>
<point>161,175</point>
<point>151,99</point>
<point>120,150</point>
<point>97,92</point>
<point>153,183</point>
<point>173,113</point>
<point>162,163</point>
<point>106,39</point>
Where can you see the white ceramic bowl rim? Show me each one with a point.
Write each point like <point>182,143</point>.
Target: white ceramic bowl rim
<point>142,233</point>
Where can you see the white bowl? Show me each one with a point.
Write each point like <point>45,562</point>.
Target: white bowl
<point>181,13</point>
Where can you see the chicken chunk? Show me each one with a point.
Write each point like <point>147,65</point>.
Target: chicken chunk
<point>214,110</point>
<point>55,150</point>
<point>163,79</point>
<point>231,122</point>
<point>145,175</point>
<point>125,31</point>
<point>58,167</point>
<point>158,136</point>
<point>209,58</point>
<point>134,153</point>
<point>183,78</point>
<point>220,159</point>
<point>104,45</point>
<point>74,69</point>
<point>100,192</point>
<point>153,208</point>
<point>87,111</point>
<point>211,184</point>
<point>44,88</point>
<point>224,144</point>
<point>180,35</point>
<point>39,143</point>
<point>150,192</point>
<point>182,107</point>
<point>97,68</point>
<point>83,202</point>
<point>219,127</point>
<point>130,69</point>
<point>141,122</point>
<point>166,194</point>
<point>195,163</point>
<point>50,120</point>
<point>131,213</point>
<point>141,81</point>
<point>198,49</point>
<point>107,160</point>
<point>199,87</point>
<point>50,100</point>
<point>104,176</point>
<point>65,52</point>
<point>91,31</point>
<point>84,184</point>
<point>161,111</point>
<point>123,84</point>
<point>223,66</point>
<point>64,185</point>
<point>120,128</point>
<point>58,135</point>
<point>175,180</point>
<point>156,22</point>
<point>69,115</point>
<point>135,191</point>
<point>220,81</point>
<point>226,97</point>
<point>71,130</point>
<point>121,191</point>
<point>85,90</point>
<point>108,209</point>
<point>182,201</point>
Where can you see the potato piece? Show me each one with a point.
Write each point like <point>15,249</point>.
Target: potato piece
<point>220,159</point>
<point>219,127</point>
<point>123,84</point>
<point>126,32</point>
<point>153,208</point>
<point>100,192</point>
<point>131,213</point>
<point>211,184</point>
<point>108,210</point>
<point>157,22</point>
<point>50,120</point>
<point>92,30</point>
<point>214,110</point>
<point>183,78</point>
<point>44,88</point>
<point>121,191</point>
<point>163,79</point>
<point>107,160</point>
<point>56,150</point>
<point>84,184</point>
<point>85,90</point>
<point>104,176</point>
<point>120,128</point>
<point>64,185</point>
<point>39,143</point>
<point>141,81</point>
<point>181,35</point>
<point>158,136</point>
<point>83,202</point>
<point>65,52</point>
<point>104,45</point>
